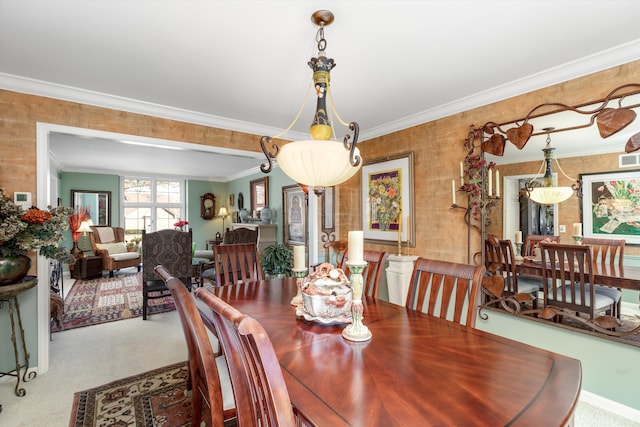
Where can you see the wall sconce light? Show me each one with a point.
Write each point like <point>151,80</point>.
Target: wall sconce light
<point>548,194</point>
<point>318,162</point>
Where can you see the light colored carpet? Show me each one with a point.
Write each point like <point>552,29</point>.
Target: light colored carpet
<point>88,357</point>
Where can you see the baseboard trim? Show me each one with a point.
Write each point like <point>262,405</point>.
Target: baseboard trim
<point>610,405</point>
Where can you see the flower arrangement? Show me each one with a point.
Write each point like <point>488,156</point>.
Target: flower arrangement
<point>75,220</point>
<point>623,190</point>
<point>385,196</point>
<point>474,165</point>
<point>24,231</point>
<point>180,224</point>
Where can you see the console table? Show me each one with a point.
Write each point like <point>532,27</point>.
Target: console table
<point>9,294</point>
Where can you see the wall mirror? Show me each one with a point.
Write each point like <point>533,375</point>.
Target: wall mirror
<point>259,194</point>
<point>603,138</point>
<point>97,202</point>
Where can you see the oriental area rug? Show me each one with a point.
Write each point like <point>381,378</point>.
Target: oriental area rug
<point>154,398</point>
<point>107,299</point>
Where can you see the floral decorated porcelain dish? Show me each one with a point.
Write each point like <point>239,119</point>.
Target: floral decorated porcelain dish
<point>326,296</point>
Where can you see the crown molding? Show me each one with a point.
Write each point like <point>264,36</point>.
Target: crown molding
<point>613,57</point>
<point>597,62</point>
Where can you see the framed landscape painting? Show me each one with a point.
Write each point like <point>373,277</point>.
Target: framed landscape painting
<point>611,205</point>
<point>387,200</point>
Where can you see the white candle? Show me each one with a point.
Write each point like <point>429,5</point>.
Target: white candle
<point>497,183</point>
<point>461,176</point>
<point>577,229</point>
<point>356,247</point>
<point>518,236</point>
<point>299,258</point>
<point>453,190</point>
<point>490,183</point>
<point>400,227</point>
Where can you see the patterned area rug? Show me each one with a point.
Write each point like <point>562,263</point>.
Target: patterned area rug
<point>107,299</point>
<point>154,398</point>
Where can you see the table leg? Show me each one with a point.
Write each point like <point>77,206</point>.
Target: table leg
<point>26,376</point>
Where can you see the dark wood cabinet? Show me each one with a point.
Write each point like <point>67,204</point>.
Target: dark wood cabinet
<point>88,267</point>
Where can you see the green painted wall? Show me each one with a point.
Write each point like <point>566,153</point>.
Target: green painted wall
<point>205,229</point>
<point>609,369</point>
<point>277,180</point>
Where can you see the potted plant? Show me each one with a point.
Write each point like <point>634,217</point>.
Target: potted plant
<point>277,260</point>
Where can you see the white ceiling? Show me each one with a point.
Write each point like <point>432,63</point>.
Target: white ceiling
<point>242,65</point>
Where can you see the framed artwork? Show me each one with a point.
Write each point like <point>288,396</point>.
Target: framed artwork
<point>611,205</point>
<point>98,203</point>
<point>259,194</point>
<point>387,200</point>
<point>294,212</point>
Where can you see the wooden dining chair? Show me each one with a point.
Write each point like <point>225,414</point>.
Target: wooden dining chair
<point>204,377</point>
<point>372,273</point>
<point>533,240</point>
<point>231,237</point>
<point>608,253</point>
<point>445,289</point>
<point>567,279</point>
<point>237,263</point>
<point>260,393</point>
<point>513,283</point>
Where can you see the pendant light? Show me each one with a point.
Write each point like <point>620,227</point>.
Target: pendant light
<point>319,162</point>
<point>548,194</point>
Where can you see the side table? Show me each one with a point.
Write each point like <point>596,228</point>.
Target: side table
<point>87,267</point>
<point>9,294</point>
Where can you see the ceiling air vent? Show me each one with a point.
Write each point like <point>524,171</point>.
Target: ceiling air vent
<point>628,160</point>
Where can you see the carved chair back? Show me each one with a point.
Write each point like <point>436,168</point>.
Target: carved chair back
<point>445,289</point>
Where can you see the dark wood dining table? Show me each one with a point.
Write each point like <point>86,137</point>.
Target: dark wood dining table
<point>625,277</point>
<point>416,370</point>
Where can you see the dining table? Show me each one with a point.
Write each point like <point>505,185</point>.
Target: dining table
<point>416,369</point>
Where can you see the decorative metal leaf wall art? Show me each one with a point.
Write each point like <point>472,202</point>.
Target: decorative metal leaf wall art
<point>609,121</point>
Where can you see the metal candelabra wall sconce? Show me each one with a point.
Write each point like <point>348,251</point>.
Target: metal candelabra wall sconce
<point>476,182</point>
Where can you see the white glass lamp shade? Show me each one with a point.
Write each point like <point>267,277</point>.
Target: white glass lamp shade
<point>223,211</point>
<point>550,195</point>
<point>317,163</point>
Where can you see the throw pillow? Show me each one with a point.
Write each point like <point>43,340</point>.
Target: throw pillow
<point>112,248</point>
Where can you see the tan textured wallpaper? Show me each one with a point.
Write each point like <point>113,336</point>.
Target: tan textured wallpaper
<point>437,146</point>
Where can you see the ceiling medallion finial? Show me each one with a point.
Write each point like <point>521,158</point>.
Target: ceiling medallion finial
<point>319,162</point>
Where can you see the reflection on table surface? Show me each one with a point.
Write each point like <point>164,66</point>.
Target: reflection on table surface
<point>416,368</point>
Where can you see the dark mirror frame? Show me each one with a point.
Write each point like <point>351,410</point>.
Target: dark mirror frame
<point>255,186</point>
<point>98,203</point>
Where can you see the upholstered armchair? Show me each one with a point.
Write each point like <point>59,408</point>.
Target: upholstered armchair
<point>109,244</point>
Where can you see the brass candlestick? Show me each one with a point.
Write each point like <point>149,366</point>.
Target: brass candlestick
<point>519,257</point>
<point>299,275</point>
<point>356,331</point>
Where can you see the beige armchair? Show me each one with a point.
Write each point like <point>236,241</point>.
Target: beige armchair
<point>109,244</point>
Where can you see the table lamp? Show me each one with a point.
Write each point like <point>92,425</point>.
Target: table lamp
<point>85,227</point>
<point>223,212</point>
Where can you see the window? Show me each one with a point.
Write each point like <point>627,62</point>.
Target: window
<point>151,204</point>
